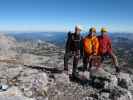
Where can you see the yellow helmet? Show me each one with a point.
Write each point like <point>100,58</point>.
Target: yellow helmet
<point>92,29</point>
<point>103,29</point>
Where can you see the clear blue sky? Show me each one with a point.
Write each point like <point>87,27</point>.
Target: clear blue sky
<point>62,15</point>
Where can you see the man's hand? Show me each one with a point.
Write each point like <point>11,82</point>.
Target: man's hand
<point>90,58</point>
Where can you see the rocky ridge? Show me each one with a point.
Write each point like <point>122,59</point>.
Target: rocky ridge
<point>33,71</point>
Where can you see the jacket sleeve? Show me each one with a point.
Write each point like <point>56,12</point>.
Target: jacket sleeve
<point>109,45</point>
<point>86,46</point>
<point>81,47</point>
<point>96,46</point>
<point>67,47</point>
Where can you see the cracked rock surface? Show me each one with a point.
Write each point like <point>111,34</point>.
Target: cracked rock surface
<point>32,71</point>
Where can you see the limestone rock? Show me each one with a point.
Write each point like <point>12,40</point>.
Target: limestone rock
<point>62,78</point>
<point>104,96</point>
<point>103,79</point>
<point>120,94</point>
<point>13,93</point>
<point>100,73</point>
<point>124,80</point>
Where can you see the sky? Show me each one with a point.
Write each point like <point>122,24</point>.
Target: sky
<point>63,15</point>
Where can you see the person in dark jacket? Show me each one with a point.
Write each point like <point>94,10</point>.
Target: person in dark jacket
<point>73,49</point>
<point>105,47</point>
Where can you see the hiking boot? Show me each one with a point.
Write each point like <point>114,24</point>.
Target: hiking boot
<point>84,69</point>
<point>117,69</point>
<point>89,69</point>
<point>65,68</point>
<point>75,75</point>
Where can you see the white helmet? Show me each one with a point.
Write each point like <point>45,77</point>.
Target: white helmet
<point>78,27</point>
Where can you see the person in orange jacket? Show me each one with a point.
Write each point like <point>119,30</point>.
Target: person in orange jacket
<point>105,47</point>
<point>90,47</point>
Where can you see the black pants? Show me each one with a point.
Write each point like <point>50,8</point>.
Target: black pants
<point>85,63</point>
<point>76,58</point>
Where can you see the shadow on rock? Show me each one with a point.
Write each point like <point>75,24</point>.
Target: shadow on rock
<point>81,78</point>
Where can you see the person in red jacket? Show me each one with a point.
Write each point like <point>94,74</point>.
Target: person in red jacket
<point>105,47</point>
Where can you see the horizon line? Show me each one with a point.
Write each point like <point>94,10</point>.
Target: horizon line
<point>83,31</point>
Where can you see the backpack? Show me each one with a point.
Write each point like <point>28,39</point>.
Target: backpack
<point>72,43</point>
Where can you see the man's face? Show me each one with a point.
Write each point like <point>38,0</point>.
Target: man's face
<point>77,31</point>
<point>104,33</point>
<point>93,33</point>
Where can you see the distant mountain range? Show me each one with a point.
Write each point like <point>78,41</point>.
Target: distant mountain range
<point>59,38</point>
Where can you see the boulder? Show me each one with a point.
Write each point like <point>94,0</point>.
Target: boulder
<point>108,85</point>
<point>88,98</point>
<point>61,78</point>
<point>14,72</point>
<point>33,83</point>
<point>39,84</point>
<point>120,94</point>
<point>85,75</point>
<point>103,79</point>
<point>13,93</point>
<point>100,74</point>
<point>104,96</point>
<point>124,80</point>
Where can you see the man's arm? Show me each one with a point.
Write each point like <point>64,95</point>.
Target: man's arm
<point>109,45</point>
<point>81,47</point>
<point>67,47</point>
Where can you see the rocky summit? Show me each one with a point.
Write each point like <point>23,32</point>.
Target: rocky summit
<point>34,71</point>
